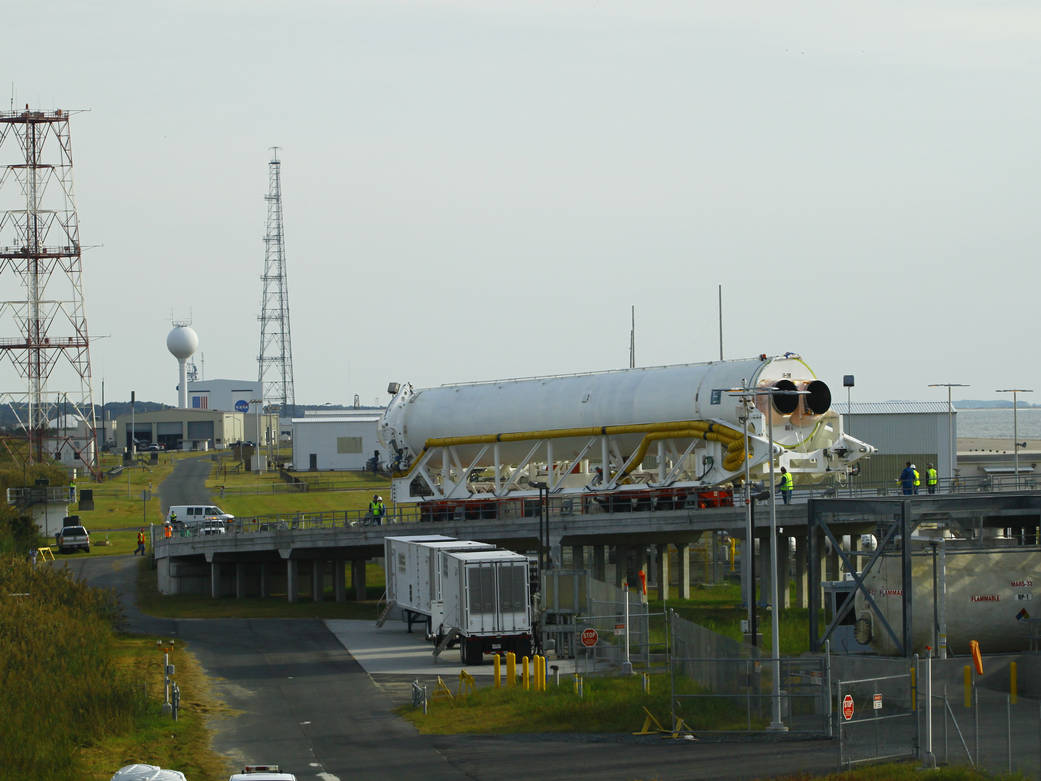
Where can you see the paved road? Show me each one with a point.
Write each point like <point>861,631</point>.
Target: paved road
<point>186,484</point>
<point>307,704</point>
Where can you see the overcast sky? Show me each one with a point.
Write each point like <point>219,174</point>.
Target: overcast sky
<point>479,189</point>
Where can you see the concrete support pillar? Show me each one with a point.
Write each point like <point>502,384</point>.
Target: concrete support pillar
<point>556,551</point>
<point>802,593</point>
<point>240,579</point>
<point>578,557</point>
<point>621,564</point>
<point>663,572</point>
<point>358,578</point>
<point>599,562</point>
<point>265,583</point>
<point>763,568</point>
<point>831,567</point>
<point>684,556</point>
<point>340,580</point>
<point>292,566</point>
<point>784,556</point>
<point>317,570</point>
<point>214,580</point>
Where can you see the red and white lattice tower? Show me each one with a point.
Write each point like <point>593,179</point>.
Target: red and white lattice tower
<point>45,365</point>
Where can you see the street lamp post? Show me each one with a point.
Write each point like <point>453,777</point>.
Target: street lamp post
<point>950,427</point>
<point>1015,426</point>
<point>544,556</point>
<point>847,380</point>
<point>777,724</point>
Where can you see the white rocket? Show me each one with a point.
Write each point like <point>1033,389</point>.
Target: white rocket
<point>626,430</point>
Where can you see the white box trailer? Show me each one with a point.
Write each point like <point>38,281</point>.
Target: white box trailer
<point>485,601</point>
<point>395,562</point>
<point>412,573</point>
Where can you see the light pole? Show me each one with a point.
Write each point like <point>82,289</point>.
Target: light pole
<point>847,381</point>
<point>773,392</point>
<point>950,427</point>
<point>544,558</point>
<point>256,442</point>
<point>1015,427</point>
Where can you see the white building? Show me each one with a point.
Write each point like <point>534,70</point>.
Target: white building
<point>225,395</point>
<point>343,442</point>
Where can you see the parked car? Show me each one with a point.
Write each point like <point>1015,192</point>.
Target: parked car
<point>262,773</point>
<point>72,538</point>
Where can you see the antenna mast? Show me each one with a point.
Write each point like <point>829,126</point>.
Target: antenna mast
<point>275,362</point>
<point>632,340</point>
<point>45,338</point>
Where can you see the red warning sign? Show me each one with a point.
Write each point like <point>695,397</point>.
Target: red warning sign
<point>589,637</point>
<point>847,707</point>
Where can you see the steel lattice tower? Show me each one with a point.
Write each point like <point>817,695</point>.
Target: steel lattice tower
<point>276,345</point>
<point>46,325</point>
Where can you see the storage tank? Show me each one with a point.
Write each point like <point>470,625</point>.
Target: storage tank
<point>661,426</point>
<point>989,598</point>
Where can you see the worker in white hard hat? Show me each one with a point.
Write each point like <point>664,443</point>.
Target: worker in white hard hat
<point>917,478</point>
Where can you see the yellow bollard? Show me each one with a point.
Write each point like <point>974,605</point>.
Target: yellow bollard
<point>1012,681</point>
<point>525,675</point>
<point>511,669</point>
<point>646,683</point>
<point>536,682</point>
<point>542,673</point>
<point>497,672</point>
<point>576,682</point>
<point>968,686</point>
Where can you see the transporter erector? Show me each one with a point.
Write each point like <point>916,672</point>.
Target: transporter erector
<point>654,429</point>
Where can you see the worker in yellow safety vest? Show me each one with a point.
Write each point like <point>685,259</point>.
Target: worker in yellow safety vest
<point>917,478</point>
<point>786,486</point>
<point>140,542</point>
<point>377,510</point>
<point>931,478</point>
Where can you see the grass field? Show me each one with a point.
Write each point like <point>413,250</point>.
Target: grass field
<point>156,739</point>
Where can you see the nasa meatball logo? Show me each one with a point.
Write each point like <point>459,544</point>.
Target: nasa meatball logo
<point>242,405</point>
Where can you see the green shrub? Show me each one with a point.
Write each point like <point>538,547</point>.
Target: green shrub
<point>58,687</point>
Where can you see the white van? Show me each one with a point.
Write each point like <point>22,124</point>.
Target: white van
<point>192,514</point>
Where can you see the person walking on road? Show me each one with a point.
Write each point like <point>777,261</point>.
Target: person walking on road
<point>140,542</point>
<point>907,479</point>
<point>786,486</point>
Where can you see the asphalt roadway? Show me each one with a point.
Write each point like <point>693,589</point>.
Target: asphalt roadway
<point>305,702</point>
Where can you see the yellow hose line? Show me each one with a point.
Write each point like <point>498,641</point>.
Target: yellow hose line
<point>714,432</point>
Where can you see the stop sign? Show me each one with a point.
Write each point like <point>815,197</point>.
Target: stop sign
<point>847,707</point>
<point>589,637</point>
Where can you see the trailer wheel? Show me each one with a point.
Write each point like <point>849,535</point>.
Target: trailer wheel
<point>470,651</point>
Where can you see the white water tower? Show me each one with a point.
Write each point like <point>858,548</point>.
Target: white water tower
<point>182,342</point>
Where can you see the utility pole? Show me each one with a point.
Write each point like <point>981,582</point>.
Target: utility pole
<point>45,337</point>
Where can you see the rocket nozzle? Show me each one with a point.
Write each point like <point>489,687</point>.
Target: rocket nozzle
<point>787,401</point>
<point>818,401</point>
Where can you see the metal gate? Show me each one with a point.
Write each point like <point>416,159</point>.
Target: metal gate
<point>876,719</point>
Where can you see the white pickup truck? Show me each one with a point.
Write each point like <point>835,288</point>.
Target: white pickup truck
<point>72,538</point>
